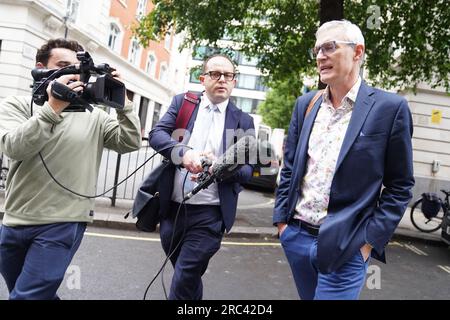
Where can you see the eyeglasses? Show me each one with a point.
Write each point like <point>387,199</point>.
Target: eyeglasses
<point>215,75</point>
<point>328,48</point>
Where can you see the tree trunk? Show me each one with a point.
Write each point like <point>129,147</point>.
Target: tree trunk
<point>330,10</point>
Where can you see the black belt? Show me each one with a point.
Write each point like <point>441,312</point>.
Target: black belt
<point>310,228</point>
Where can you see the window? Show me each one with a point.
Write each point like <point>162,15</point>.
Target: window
<point>130,95</point>
<point>247,81</point>
<point>247,61</point>
<point>251,82</point>
<point>260,84</point>
<point>195,74</point>
<point>133,55</point>
<point>72,10</point>
<point>246,104</point>
<point>113,40</point>
<point>201,52</point>
<point>167,39</point>
<point>150,67</point>
<point>163,74</point>
<point>143,109</point>
<point>140,11</point>
<point>255,105</point>
<point>156,114</point>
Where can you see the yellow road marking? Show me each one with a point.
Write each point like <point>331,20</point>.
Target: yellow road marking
<point>231,243</point>
<point>445,268</point>
<point>415,250</point>
<point>271,244</point>
<point>114,236</point>
<point>395,243</point>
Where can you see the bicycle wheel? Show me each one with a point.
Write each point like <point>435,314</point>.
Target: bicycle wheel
<point>423,223</point>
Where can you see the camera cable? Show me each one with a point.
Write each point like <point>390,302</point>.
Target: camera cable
<point>119,183</point>
<point>171,252</point>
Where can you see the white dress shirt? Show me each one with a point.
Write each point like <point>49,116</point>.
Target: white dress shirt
<point>207,136</point>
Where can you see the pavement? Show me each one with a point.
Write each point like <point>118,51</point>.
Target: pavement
<point>248,224</point>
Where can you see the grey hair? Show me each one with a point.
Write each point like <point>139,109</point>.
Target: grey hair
<point>350,31</point>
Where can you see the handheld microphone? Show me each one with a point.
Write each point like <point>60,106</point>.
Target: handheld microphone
<point>241,153</point>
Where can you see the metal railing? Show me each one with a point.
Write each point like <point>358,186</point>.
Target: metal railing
<point>116,167</point>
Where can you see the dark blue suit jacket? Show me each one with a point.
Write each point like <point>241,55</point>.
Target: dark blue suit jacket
<point>376,152</point>
<point>161,137</point>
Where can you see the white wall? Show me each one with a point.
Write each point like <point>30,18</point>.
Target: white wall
<point>431,141</point>
<point>25,25</point>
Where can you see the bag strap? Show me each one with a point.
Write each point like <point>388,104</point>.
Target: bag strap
<point>190,101</point>
<point>313,101</point>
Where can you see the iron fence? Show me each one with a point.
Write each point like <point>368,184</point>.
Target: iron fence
<point>114,168</point>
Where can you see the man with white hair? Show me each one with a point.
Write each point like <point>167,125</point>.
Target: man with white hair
<point>347,173</point>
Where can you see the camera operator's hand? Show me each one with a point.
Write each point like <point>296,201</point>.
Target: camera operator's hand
<point>59,105</point>
<point>116,74</point>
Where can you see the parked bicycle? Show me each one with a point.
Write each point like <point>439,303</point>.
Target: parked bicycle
<point>429,211</point>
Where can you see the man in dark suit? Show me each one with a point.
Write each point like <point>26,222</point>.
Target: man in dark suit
<point>347,173</point>
<point>210,131</point>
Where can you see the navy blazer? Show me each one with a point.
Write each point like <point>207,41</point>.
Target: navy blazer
<point>376,152</point>
<point>161,137</point>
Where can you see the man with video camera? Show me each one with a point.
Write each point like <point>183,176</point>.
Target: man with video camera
<point>43,224</point>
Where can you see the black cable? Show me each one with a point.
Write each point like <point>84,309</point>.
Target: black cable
<point>171,252</point>
<point>102,194</point>
<point>95,196</point>
<point>56,73</point>
<point>173,235</point>
<point>161,270</point>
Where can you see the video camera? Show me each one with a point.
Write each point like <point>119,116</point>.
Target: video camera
<point>105,90</point>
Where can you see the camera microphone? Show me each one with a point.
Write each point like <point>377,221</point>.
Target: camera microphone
<point>239,154</point>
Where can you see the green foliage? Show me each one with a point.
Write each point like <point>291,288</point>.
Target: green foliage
<point>278,32</point>
<point>276,110</point>
<point>407,42</point>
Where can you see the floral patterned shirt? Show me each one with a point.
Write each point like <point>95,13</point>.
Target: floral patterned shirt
<point>325,143</point>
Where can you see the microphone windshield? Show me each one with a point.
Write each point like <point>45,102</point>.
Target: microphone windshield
<point>244,151</point>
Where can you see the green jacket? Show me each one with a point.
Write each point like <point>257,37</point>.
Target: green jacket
<point>71,144</point>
